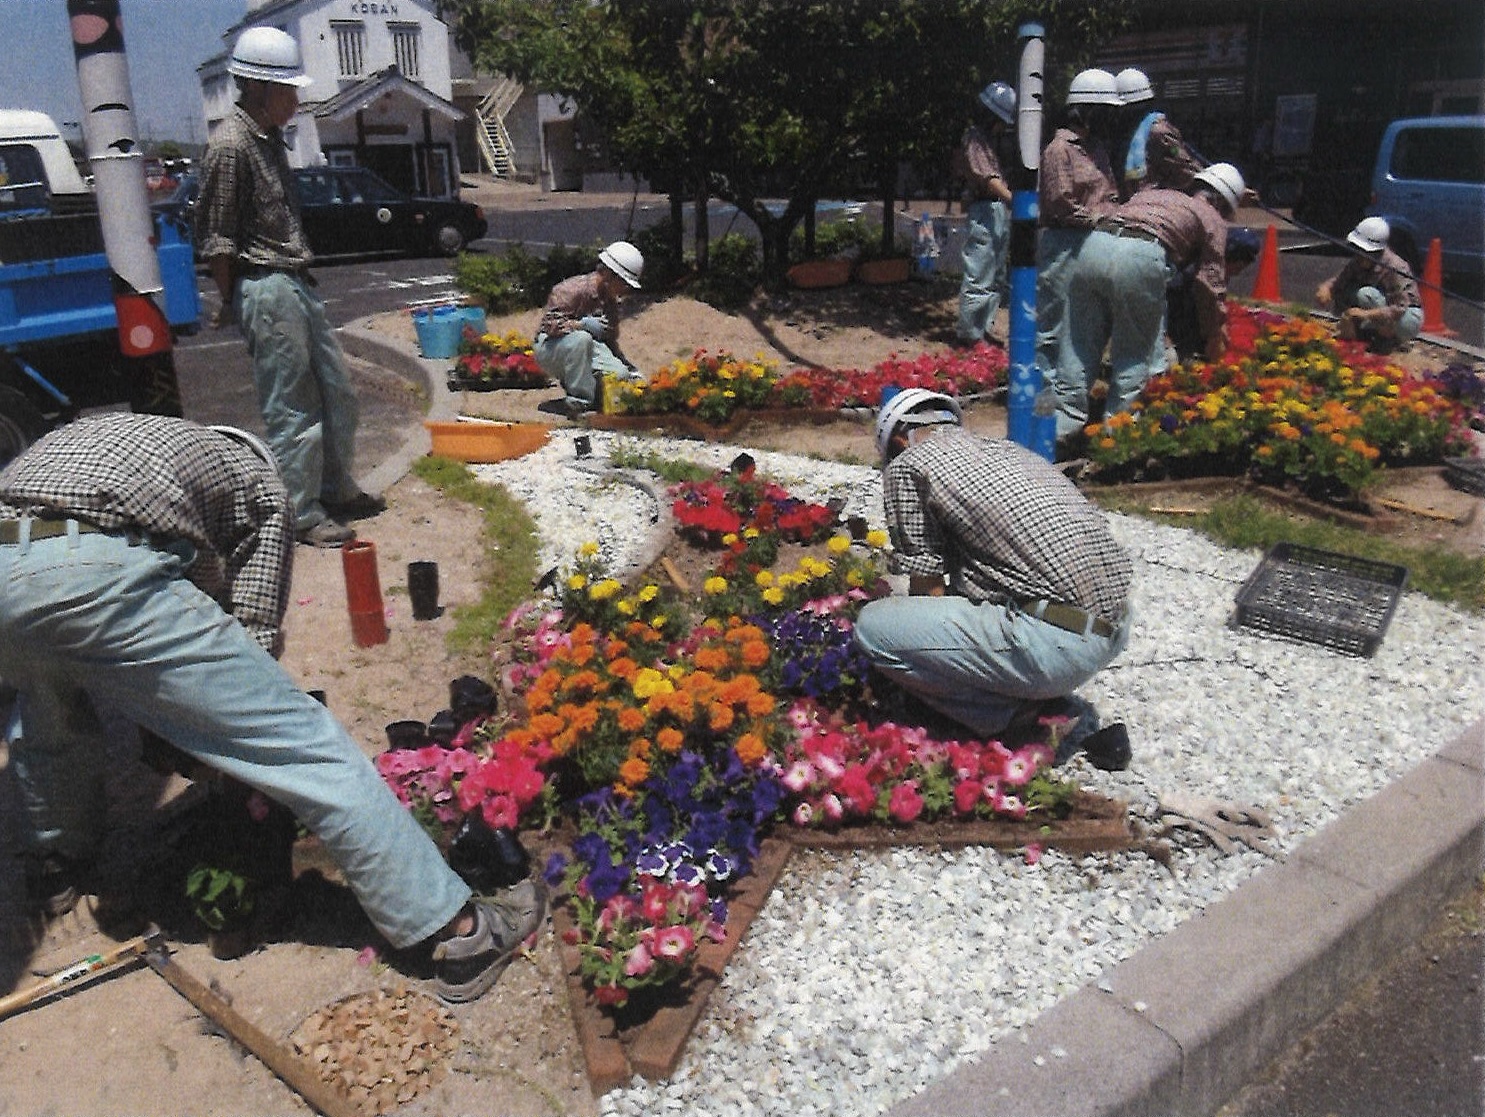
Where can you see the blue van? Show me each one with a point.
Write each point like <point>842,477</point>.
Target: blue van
<point>1429,182</point>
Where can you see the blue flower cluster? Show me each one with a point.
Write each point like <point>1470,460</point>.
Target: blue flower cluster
<point>814,654</point>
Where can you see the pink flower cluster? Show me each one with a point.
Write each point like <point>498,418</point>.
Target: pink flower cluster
<point>841,772</point>
<point>958,372</point>
<point>634,941</point>
<point>441,785</point>
<point>538,633</point>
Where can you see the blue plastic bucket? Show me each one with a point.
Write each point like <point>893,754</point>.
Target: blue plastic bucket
<point>438,332</point>
<point>474,319</point>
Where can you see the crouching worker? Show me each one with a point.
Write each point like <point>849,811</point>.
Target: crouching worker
<point>1375,296</point>
<point>577,341</point>
<point>1017,589</point>
<point>144,569</point>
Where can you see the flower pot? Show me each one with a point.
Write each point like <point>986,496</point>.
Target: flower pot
<point>486,441</point>
<point>820,273</point>
<point>877,272</point>
<point>230,942</point>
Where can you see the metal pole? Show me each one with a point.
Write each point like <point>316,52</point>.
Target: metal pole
<point>1025,380</point>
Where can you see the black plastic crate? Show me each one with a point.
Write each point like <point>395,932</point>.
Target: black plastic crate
<point>1322,597</point>
<point>1466,474</point>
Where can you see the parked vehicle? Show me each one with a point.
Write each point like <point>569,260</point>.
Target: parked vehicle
<point>1429,181</point>
<point>351,210</point>
<point>60,346</point>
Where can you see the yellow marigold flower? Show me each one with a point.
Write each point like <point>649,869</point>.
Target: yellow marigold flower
<point>676,671</point>
<point>773,595</point>
<point>625,607</point>
<point>602,591</point>
<point>588,549</point>
<point>839,543</point>
<point>750,533</point>
<point>763,578</point>
<point>729,539</point>
<point>649,592</point>
<point>649,682</point>
<point>716,584</point>
<point>876,538</point>
<point>576,581</point>
<point>659,621</point>
<point>855,578</point>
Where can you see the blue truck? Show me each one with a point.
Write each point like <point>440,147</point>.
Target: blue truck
<point>62,350</point>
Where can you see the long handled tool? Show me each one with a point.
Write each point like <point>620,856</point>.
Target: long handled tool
<point>69,975</point>
<point>278,1058</point>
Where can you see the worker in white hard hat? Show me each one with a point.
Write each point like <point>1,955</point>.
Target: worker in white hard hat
<point>250,233</point>
<point>577,340</point>
<point>1151,152</point>
<point>1375,296</point>
<point>1016,588</point>
<point>1075,187</point>
<point>987,205</point>
<point>1117,292</point>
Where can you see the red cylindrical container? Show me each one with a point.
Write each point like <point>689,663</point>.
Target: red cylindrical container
<point>363,593</point>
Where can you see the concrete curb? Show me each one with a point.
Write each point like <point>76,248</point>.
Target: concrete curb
<point>1181,1026</point>
<point>358,340</point>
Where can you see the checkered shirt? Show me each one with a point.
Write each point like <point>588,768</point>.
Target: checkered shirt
<point>249,208</point>
<point>1002,523</point>
<point>170,479</point>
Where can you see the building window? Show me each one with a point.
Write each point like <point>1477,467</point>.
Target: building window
<point>405,48</point>
<point>350,48</point>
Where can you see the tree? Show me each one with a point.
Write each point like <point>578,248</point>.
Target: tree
<point>750,100</point>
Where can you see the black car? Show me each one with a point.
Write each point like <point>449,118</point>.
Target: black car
<point>349,210</point>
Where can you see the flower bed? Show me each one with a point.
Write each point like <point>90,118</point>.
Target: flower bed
<point>713,388</point>
<point>671,733</point>
<point>493,361</point>
<point>1288,402</point>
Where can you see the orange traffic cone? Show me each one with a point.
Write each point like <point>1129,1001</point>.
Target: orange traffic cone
<point>1433,292</point>
<point>1266,286</point>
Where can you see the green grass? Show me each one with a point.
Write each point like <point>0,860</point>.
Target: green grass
<point>1247,522</point>
<point>509,534</point>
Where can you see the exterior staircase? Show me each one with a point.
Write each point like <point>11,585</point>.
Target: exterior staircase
<point>494,141</point>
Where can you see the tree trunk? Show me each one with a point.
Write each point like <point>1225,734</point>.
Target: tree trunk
<point>809,234</point>
<point>889,216</point>
<point>703,228</point>
<point>678,228</point>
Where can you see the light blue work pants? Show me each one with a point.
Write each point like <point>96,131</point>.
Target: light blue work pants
<point>1116,290</point>
<point>90,621</point>
<point>978,664</point>
<point>578,361</point>
<point>984,282</point>
<point>304,391</point>
<point>1055,251</point>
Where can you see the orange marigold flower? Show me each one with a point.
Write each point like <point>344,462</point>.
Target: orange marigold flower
<point>640,747</point>
<point>583,718</point>
<point>631,719</point>
<point>634,771</point>
<point>711,658</point>
<point>761,704</point>
<point>670,739</point>
<point>720,717</point>
<point>546,725</point>
<point>755,653</point>
<point>623,668</point>
<point>751,749</point>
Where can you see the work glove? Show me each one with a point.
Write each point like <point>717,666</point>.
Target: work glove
<point>1220,823</point>
<point>595,324</point>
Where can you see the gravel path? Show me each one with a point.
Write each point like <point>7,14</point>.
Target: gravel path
<point>869,975</point>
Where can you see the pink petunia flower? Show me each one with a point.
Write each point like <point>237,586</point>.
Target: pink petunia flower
<point>638,962</point>
<point>905,804</point>
<point>674,943</point>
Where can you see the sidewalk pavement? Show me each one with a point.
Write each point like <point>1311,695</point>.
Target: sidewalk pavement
<point>1184,1024</point>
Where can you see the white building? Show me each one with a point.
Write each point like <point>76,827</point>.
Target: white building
<point>381,95</point>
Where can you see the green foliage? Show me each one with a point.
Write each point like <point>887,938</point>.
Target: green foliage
<point>519,279</point>
<point>222,899</point>
<point>509,532</point>
<point>733,273</point>
<point>663,267</point>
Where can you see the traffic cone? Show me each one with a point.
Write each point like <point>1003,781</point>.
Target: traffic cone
<point>1433,292</point>
<point>1266,286</point>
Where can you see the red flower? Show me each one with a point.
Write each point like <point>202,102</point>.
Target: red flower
<point>905,804</point>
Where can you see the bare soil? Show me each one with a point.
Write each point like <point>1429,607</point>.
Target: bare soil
<point>127,1043</point>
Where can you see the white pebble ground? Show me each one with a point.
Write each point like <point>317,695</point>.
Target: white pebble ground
<point>869,975</point>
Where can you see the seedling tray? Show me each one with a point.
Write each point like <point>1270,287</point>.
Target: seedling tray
<point>1321,597</point>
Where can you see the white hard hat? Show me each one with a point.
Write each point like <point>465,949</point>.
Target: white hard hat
<point>1000,99</point>
<point>926,408</point>
<point>1133,86</point>
<point>1371,235</point>
<point>624,260</point>
<point>1226,180</point>
<point>1094,87</point>
<point>268,54</point>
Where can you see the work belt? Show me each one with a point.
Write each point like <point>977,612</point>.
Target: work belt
<point>1119,229</point>
<point>10,530</point>
<point>1069,618</point>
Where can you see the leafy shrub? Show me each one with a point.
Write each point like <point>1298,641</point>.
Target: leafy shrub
<point>732,274</point>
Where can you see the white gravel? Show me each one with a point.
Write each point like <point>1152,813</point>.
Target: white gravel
<point>869,975</point>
